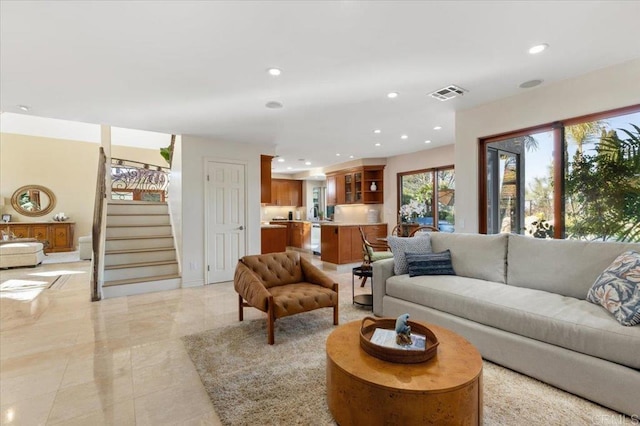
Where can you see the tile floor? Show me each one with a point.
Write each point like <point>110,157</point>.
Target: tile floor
<point>66,360</point>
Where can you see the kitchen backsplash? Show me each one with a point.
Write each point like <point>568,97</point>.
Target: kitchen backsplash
<point>356,213</point>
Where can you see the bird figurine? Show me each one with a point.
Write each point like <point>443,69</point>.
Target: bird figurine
<point>403,330</point>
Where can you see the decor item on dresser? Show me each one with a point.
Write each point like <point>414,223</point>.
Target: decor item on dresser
<point>522,301</point>
<point>60,217</point>
<point>33,200</point>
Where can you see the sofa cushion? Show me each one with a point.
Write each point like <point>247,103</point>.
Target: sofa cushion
<point>548,317</point>
<point>474,255</point>
<point>430,263</point>
<point>401,245</point>
<point>617,289</point>
<point>566,267</point>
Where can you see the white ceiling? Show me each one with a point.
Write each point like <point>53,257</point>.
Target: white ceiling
<point>199,67</point>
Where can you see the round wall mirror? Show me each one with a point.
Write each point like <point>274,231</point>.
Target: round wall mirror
<point>33,200</point>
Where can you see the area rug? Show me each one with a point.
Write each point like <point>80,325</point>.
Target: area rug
<point>250,382</point>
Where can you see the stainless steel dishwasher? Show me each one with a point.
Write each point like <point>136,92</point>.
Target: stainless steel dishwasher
<point>315,238</point>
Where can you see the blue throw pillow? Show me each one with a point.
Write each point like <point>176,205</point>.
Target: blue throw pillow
<point>401,245</point>
<point>430,263</point>
<point>617,289</point>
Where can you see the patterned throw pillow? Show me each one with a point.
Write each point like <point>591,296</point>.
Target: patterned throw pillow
<point>618,289</point>
<point>430,263</point>
<point>400,245</point>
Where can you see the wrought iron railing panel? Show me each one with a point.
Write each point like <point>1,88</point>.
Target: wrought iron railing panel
<point>132,180</point>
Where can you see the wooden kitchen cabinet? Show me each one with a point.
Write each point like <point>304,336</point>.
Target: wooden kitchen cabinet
<point>273,240</point>
<point>354,186</point>
<point>301,235</point>
<point>56,236</point>
<point>332,195</point>
<point>286,192</point>
<point>265,178</point>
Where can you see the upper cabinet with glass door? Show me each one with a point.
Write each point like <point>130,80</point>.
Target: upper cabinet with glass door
<point>362,185</point>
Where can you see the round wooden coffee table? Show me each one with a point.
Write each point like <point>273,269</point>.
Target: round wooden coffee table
<point>364,390</point>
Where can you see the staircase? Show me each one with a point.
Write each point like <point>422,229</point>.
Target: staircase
<point>140,255</point>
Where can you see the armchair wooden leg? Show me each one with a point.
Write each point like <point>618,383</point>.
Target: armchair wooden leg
<point>240,308</point>
<point>336,314</point>
<point>270,322</point>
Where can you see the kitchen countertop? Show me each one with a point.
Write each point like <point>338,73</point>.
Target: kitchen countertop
<point>351,223</point>
<point>268,226</point>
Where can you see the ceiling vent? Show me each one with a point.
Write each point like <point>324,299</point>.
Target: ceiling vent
<point>448,92</point>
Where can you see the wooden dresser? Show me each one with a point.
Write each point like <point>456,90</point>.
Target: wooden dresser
<point>56,236</point>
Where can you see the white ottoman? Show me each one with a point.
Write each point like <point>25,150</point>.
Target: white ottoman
<point>85,247</point>
<point>21,254</point>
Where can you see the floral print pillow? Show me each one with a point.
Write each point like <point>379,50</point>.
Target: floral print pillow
<point>618,289</point>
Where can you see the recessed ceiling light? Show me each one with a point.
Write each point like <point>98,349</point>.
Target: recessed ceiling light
<point>377,131</point>
<point>274,71</point>
<point>378,144</point>
<point>427,141</point>
<point>273,105</point>
<point>404,137</point>
<point>529,84</point>
<point>392,95</point>
<point>437,128</point>
<point>280,160</point>
<point>289,168</point>
<point>24,108</point>
<point>338,155</point>
<point>538,48</point>
<point>307,163</point>
<point>351,156</point>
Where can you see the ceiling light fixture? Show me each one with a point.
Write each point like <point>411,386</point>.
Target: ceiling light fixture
<point>273,105</point>
<point>377,131</point>
<point>307,163</point>
<point>437,128</point>
<point>289,168</point>
<point>280,160</point>
<point>378,144</point>
<point>24,108</point>
<point>427,141</point>
<point>404,137</point>
<point>392,95</point>
<point>338,155</point>
<point>538,48</point>
<point>351,156</point>
<point>531,83</point>
<point>274,72</point>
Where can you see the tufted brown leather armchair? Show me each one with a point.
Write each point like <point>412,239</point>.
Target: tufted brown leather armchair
<point>283,284</point>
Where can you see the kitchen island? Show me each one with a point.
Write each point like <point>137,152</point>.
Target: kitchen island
<point>342,244</point>
<point>273,238</point>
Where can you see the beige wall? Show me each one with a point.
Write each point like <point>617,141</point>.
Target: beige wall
<point>141,155</point>
<point>601,90</point>
<point>68,168</point>
<point>426,159</point>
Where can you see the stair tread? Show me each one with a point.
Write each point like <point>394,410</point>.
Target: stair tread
<point>136,202</point>
<point>136,226</point>
<point>141,264</point>
<point>142,237</point>
<point>143,250</point>
<point>140,280</point>
<point>137,214</point>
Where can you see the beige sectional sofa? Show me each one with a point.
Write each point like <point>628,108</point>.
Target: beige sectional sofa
<point>521,302</point>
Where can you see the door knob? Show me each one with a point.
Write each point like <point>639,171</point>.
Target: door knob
<point>241,227</point>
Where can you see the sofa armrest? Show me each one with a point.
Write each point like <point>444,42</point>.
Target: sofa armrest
<point>382,270</point>
<point>250,287</point>
<point>314,275</point>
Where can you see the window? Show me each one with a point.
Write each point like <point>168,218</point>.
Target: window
<point>579,178</point>
<point>426,197</point>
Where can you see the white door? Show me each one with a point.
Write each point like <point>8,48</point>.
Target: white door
<point>225,219</point>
